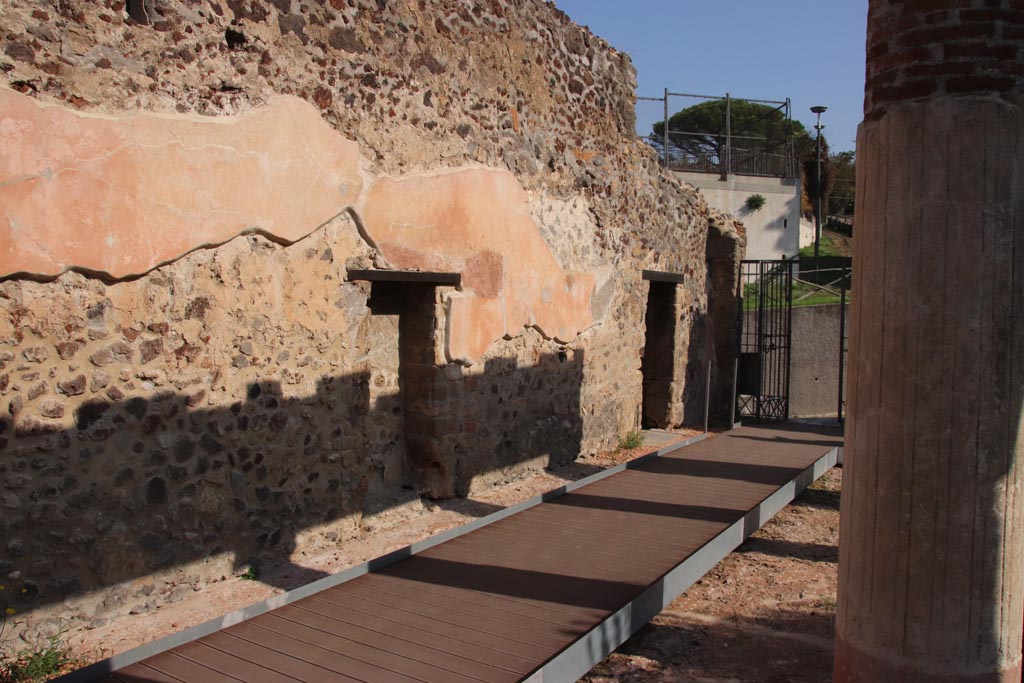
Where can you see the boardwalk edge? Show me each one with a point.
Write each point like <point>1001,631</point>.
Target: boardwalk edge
<point>135,655</point>
<point>580,657</point>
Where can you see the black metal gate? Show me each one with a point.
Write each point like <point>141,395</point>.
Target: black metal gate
<point>765,323</point>
<point>844,342</point>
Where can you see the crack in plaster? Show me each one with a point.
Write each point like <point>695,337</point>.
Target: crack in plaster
<point>426,218</point>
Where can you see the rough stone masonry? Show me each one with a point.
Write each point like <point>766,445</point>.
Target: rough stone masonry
<point>190,381</point>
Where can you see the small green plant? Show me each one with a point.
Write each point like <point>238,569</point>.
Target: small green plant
<point>250,574</point>
<point>39,663</point>
<point>755,202</point>
<point>826,602</point>
<point>7,612</point>
<point>633,439</point>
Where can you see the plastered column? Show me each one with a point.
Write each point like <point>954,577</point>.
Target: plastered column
<point>932,534</point>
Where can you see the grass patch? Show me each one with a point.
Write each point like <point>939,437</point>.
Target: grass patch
<point>814,296</point>
<point>633,439</point>
<point>826,602</point>
<point>250,574</point>
<point>831,244</point>
<point>40,663</point>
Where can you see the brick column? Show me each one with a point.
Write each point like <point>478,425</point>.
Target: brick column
<point>932,535</point>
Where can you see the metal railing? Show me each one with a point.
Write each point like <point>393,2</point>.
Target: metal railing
<point>730,151</point>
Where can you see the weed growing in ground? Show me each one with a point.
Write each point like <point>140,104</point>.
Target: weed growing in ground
<point>7,613</point>
<point>45,660</point>
<point>827,602</point>
<point>250,574</point>
<point>633,439</point>
<point>5,617</point>
<point>39,663</point>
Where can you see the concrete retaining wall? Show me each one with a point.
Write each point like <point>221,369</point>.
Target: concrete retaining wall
<point>774,229</point>
<point>814,366</point>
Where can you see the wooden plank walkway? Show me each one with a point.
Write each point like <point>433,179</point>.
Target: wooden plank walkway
<point>540,595</point>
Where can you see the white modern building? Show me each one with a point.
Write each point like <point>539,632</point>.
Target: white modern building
<point>773,230</point>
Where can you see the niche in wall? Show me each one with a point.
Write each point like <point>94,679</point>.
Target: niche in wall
<point>412,296</point>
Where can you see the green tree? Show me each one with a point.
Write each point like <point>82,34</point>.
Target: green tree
<point>697,137</point>
<point>700,131</point>
<point>843,192</point>
<point>808,159</point>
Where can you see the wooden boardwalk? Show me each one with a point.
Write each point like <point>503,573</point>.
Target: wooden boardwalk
<point>540,595</point>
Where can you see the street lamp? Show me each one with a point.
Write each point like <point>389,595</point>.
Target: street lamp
<point>819,110</point>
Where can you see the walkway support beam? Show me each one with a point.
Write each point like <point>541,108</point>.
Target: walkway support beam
<point>932,531</point>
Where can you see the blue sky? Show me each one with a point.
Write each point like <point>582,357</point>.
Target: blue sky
<point>811,51</point>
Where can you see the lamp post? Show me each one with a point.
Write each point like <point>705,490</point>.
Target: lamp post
<point>819,110</point>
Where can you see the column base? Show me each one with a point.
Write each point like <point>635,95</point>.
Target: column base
<point>852,665</point>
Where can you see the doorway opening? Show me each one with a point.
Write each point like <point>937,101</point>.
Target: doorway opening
<point>659,359</point>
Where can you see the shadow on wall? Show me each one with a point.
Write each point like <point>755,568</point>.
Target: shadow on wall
<point>789,240</point>
<point>698,354</point>
<point>787,230</point>
<point>144,485</point>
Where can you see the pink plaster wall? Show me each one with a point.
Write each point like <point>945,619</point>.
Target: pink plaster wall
<point>120,195</point>
<point>477,222</point>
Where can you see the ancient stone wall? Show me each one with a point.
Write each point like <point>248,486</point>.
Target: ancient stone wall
<point>726,245</point>
<point>189,380</point>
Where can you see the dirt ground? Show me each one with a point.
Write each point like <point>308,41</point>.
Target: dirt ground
<point>397,528</point>
<point>764,614</point>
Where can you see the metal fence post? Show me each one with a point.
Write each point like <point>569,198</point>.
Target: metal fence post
<point>761,282</point>
<point>664,149</point>
<point>788,307</point>
<point>735,384</point>
<point>726,163</point>
<point>707,398</point>
<point>790,161</point>
<point>842,347</point>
